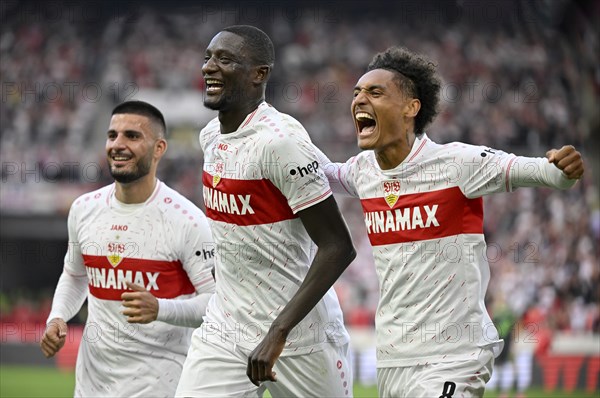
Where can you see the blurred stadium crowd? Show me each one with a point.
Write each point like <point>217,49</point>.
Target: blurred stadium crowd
<point>523,80</point>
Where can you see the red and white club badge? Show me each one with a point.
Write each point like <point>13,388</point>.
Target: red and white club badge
<point>219,167</point>
<point>116,250</point>
<point>391,192</point>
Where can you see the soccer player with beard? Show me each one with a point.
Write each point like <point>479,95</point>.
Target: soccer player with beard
<point>274,322</point>
<point>423,210</point>
<point>142,255</point>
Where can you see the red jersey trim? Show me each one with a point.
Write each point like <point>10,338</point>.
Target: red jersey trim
<point>422,216</point>
<point>507,175</point>
<point>155,192</point>
<point>249,118</point>
<point>312,201</point>
<point>418,150</point>
<point>164,279</point>
<point>110,192</point>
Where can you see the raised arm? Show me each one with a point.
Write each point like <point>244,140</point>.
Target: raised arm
<point>560,169</point>
<point>338,174</point>
<point>568,160</point>
<point>327,228</point>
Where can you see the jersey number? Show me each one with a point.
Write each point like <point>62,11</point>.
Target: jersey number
<point>449,388</point>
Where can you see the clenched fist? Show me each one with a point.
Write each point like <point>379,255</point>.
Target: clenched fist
<point>568,160</point>
<point>140,305</point>
<point>54,337</point>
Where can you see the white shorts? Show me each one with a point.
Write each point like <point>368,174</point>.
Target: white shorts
<point>462,379</point>
<point>218,369</point>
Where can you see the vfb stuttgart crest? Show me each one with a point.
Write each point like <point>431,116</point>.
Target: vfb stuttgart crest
<point>391,192</point>
<point>115,253</point>
<point>218,172</point>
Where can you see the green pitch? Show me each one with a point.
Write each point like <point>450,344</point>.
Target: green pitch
<point>32,382</point>
<point>20,381</point>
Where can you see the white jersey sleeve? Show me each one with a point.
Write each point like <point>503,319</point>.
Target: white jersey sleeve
<point>340,175</point>
<point>293,166</point>
<point>196,251</point>
<point>70,293</point>
<point>484,171</point>
<point>183,312</point>
<point>479,170</point>
<point>197,265</point>
<point>537,172</point>
<point>71,290</point>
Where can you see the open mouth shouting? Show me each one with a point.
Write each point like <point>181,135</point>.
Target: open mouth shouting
<point>365,123</point>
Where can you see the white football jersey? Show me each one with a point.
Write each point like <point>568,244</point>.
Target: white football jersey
<point>256,180</point>
<point>164,245</point>
<point>424,219</point>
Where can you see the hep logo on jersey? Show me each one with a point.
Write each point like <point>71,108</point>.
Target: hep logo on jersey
<point>301,171</point>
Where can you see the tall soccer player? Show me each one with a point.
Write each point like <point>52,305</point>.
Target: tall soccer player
<point>423,210</point>
<point>281,242</point>
<point>141,254</point>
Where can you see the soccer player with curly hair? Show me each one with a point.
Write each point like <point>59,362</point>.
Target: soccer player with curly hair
<point>423,209</point>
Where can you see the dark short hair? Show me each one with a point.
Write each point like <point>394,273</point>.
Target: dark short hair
<point>144,109</point>
<point>415,76</point>
<point>260,47</point>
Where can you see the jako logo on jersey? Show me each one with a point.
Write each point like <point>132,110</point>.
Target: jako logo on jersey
<point>227,203</point>
<point>116,227</point>
<point>401,219</point>
<point>115,251</point>
<point>309,168</point>
<point>391,192</point>
<point>222,147</point>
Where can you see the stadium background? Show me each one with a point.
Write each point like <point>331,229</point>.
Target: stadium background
<point>519,76</point>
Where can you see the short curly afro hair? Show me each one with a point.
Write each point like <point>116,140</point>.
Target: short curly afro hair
<point>416,76</point>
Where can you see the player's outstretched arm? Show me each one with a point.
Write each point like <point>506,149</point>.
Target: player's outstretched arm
<point>337,174</point>
<point>54,337</point>
<point>568,160</point>
<point>560,169</point>
<point>327,228</point>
